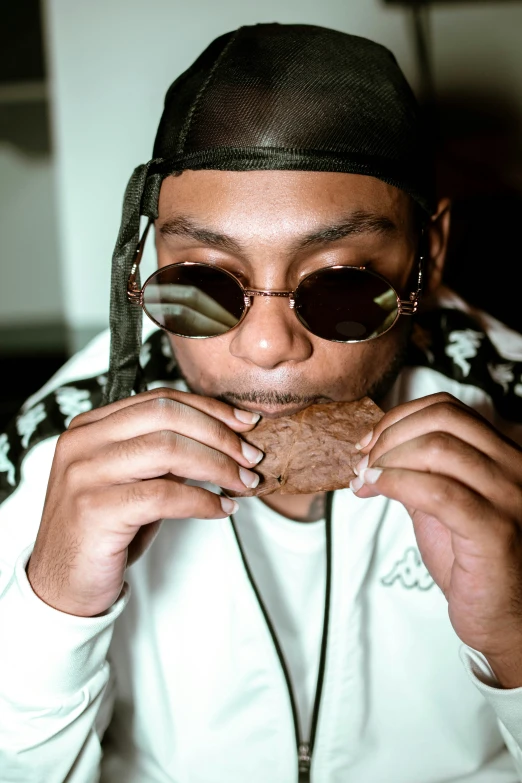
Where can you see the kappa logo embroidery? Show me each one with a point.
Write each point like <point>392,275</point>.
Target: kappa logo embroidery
<point>410,572</point>
<point>27,422</point>
<point>6,466</point>
<point>72,402</point>
<point>463,344</point>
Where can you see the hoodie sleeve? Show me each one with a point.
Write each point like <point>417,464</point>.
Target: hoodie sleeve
<point>507,703</point>
<point>55,685</point>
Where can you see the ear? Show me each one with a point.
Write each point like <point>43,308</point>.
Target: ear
<point>437,243</point>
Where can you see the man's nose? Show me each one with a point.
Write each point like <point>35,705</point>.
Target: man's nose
<point>270,334</point>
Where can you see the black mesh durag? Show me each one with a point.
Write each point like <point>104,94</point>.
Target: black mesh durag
<point>271,96</point>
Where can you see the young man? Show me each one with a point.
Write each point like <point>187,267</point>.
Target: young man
<point>302,637</point>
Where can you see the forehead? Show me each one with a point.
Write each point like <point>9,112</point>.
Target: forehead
<point>274,202</point>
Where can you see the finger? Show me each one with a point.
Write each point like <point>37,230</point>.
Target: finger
<point>187,321</point>
<point>401,411</point>
<point>130,506</point>
<point>443,453</point>
<point>236,419</point>
<point>155,454</point>
<point>459,508</point>
<point>192,298</point>
<point>442,414</point>
<point>162,415</point>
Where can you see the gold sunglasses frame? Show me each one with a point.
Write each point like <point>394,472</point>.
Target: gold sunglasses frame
<point>135,293</point>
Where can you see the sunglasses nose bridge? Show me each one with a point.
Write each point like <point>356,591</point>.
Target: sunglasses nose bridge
<point>250,293</point>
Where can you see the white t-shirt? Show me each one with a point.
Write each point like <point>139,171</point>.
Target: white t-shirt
<point>288,563</point>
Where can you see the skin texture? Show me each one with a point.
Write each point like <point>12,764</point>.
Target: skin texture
<point>119,470</point>
<point>461,483</point>
<point>270,357</point>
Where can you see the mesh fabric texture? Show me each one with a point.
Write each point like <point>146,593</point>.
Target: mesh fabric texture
<point>271,96</point>
<point>297,97</point>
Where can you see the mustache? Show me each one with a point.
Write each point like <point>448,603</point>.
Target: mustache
<point>270,397</point>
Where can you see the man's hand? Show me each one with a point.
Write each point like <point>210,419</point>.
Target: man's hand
<point>461,483</point>
<point>117,472</point>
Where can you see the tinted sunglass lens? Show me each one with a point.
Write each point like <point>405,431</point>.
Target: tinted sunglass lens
<point>346,304</point>
<point>193,300</point>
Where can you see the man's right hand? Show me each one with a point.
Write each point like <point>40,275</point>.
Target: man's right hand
<point>117,472</point>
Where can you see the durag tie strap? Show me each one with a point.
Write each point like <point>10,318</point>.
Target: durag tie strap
<point>141,198</point>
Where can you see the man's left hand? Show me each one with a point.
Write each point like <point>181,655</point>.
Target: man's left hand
<point>461,482</point>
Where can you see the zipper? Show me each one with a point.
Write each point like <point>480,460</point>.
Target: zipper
<point>304,760</point>
<point>304,748</point>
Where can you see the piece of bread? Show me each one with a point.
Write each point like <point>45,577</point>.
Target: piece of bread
<point>313,450</point>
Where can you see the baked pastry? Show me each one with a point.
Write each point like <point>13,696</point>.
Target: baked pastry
<point>313,450</point>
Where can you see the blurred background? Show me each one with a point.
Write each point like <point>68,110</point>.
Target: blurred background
<point>82,84</point>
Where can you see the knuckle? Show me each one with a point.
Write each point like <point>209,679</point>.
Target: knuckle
<point>222,434</point>
<point>160,391</point>
<point>438,444</point>
<point>225,464</point>
<point>445,408</point>
<point>164,408</point>
<point>79,420</point>
<point>208,505</point>
<point>84,504</point>
<point>444,398</point>
<point>74,474</point>
<point>166,442</point>
<point>144,492</point>
<point>444,493</point>
<point>385,441</point>
<point>66,444</point>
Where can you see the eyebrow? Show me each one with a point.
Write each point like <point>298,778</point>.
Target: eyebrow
<point>356,223</point>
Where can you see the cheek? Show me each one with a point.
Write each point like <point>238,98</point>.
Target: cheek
<point>360,367</point>
<point>200,358</point>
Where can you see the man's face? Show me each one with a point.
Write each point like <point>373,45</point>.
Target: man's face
<point>271,229</point>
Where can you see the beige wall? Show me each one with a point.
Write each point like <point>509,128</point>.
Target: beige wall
<point>30,273</point>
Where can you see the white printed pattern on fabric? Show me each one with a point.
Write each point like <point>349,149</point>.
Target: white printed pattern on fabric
<point>463,345</point>
<point>145,354</point>
<point>502,374</point>
<point>72,402</point>
<point>28,422</point>
<point>6,466</point>
<point>410,571</point>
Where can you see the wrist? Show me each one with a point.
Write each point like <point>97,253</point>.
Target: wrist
<point>508,672</point>
<point>90,604</point>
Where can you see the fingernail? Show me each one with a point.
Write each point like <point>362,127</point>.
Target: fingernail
<point>250,453</point>
<point>247,417</point>
<point>228,505</point>
<point>356,484</point>
<point>364,440</point>
<point>370,475</point>
<point>248,478</point>
<point>361,465</point>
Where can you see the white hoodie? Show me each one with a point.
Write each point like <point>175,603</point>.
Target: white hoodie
<point>182,679</point>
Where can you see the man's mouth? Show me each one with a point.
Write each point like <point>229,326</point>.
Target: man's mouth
<point>272,408</point>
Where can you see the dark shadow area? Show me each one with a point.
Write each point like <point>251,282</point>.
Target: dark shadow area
<point>24,375</point>
<point>477,137</point>
<point>479,166</point>
<point>26,127</point>
<point>30,354</point>
<point>22,52</point>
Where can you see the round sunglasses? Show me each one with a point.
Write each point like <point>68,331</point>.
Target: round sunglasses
<point>346,304</point>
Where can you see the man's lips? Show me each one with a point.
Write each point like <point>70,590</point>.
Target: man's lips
<point>276,411</point>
